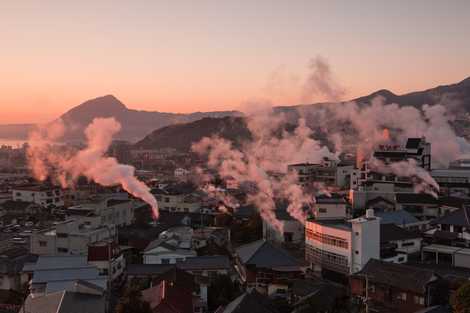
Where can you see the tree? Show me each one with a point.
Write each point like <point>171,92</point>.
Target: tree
<point>221,291</point>
<point>461,299</point>
<point>131,302</point>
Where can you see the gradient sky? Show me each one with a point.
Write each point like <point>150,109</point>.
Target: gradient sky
<point>185,56</point>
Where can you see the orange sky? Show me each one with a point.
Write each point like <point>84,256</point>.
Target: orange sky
<point>158,55</point>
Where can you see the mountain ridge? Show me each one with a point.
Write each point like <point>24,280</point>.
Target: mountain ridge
<point>136,124</point>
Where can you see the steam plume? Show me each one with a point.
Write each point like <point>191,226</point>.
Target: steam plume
<point>45,160</point>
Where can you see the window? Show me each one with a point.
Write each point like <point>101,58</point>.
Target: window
<point>408,244</point>
<point>372,288</point>
<point>165,261</point>
<point>357,252</point>
<point>62,250</point>
<point>401,296</point>
<point>326,239</point>
<point>322,210</point>
<point>62,235</point>
<point>42,243</point>
<point>167,199</point>
<point>419,300</point>
<point>356,233</point>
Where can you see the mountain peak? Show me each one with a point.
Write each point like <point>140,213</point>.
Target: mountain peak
<point>105,106</point>
<point>108,101</point>
<point>384,93</point>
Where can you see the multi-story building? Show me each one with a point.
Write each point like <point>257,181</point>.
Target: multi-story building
<point>454,181</point>
<point>40,194</point>
<point>71,237</point>
<point>108,258</point>
<point>119,212</point>
<point>329,172</point>
<point>368,184</point>
<point>179,198</point>
<point>342,246</point>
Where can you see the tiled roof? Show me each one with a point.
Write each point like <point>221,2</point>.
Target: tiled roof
<point>65,302</point>
<point>399,217</point>
<point>391,232</point>
<point>211,262</point>
<point>459,217</point>
<point>263,254</point>
<point>401,276</point>
<point>250,301</point>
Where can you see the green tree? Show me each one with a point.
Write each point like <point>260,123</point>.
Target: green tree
<point>461,299</point>
<point>131,302</point>
<point>221,291</point>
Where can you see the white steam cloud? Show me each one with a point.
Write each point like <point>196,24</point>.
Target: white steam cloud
<point>46,159</point>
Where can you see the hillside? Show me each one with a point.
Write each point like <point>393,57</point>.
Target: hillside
<point>234,129</point>
<point>181,136</point>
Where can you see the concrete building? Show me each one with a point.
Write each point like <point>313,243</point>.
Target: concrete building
<point>40,194</point>
<point>171,246</point>
<point>329,172</point>
<point>330,207</point>
<point>181,197</point>
<point>119,212</point>
<point>291,231</point>
<point>342,246</point>
<point>71,237</point>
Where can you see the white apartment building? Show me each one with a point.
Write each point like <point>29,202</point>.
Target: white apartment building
<point>71,237</point>
<point>39,194</point>
<point>342,246</point>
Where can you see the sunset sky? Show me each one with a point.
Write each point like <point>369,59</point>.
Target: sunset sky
<point>184,56</point>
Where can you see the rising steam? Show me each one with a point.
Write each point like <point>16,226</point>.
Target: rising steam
<point>47,159</point>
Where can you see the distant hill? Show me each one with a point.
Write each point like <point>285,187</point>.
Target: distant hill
<point>181,136</point>
<point>234,129</point>
<point>137,124</point>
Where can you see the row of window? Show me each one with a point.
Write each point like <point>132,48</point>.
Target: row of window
<point>327,239</point>
<point>316,255</point>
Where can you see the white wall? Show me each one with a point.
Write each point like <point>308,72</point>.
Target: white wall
<point>365,241</point>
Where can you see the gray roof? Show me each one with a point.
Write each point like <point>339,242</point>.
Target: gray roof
<point>392,232</point>
<point>399,217</point>
<point>459,217</point>
<point>250,301</point>
<point>205,263</point>
<point>58,262</point>
<point>45,276</point>
<point>65,302</point>
<point>146,269</point>
<point>263,254</point>
<point>401,276</point>
<point>97,283</point>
